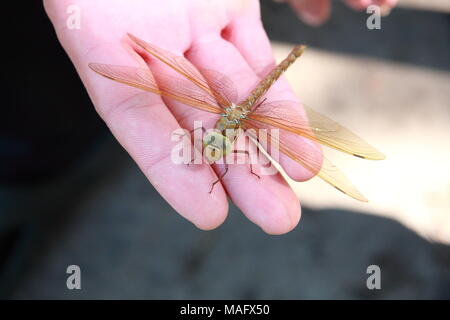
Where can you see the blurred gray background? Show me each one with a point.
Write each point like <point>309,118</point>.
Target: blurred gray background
<point>104,216</point>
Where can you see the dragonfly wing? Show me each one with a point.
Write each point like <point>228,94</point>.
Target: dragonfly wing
<point>318,165</point>
<point>221,86</point>
<point>211,82</point>
<point>175,88</point>
<point>331,174</point>
<point>288,115</point>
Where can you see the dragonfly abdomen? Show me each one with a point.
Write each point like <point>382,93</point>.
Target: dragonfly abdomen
<point>273,76</point>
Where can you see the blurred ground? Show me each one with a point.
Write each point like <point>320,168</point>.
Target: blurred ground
<point>438,5</point>
<point>130,244</point>
<point>397,103</point>
<point>391,86</point>
<point>401,109</point>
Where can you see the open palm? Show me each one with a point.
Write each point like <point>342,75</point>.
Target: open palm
<point>220,35</point>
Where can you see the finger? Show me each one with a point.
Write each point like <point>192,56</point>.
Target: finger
<point>143,125</point>
<point>312,12</point>
<point>358,4</point>
<point>247,29</point>
<point>363,4</point>
<point>269,202</point>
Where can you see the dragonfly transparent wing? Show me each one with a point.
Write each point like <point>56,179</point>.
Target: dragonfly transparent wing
<point>287,115</point>
<point>318,165</point>
<point>213,83</point>
<point>290,119</point>
<point>178,89</point>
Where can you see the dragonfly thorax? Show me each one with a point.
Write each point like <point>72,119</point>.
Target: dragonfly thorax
<point>231,117</point>
<point>219,142</point>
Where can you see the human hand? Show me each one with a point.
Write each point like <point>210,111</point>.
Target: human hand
<point>316,12</point>
<point>226,36</point>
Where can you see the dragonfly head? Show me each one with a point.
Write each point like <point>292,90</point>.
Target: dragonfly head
<point>216,146</point>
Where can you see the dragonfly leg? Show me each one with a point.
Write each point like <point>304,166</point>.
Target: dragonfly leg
<point>190,132</point>
<point>259,104</point>
<point>251,166</point>
<point>226,169</point>
<point>220,178</point>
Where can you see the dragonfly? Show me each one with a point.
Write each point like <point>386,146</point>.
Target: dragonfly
<point>214,92</point>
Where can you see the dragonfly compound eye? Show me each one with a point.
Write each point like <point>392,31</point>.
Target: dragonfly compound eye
<point>216,146</point>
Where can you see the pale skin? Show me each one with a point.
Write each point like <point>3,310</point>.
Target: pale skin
<point>226,36</point>
<point>316,12</point>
